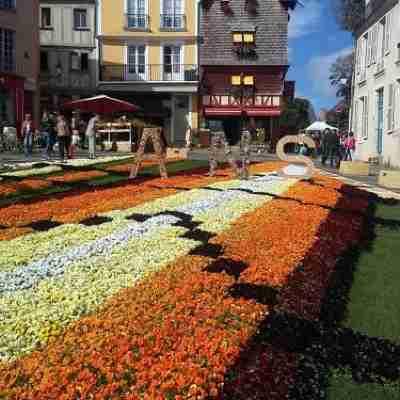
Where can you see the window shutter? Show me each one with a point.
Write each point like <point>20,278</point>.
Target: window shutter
<point>390,108</point>
<point>394,101</point>
<point>365,118</point>
<point>388,32</point>
<point>355,118</point>
<point>375,44</point>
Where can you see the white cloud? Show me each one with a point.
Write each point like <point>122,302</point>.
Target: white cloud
<point>318,70</point>
<point>305,20</point>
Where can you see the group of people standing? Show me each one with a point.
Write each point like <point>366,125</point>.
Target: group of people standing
<point>55,128</point>
<point>337,147</point>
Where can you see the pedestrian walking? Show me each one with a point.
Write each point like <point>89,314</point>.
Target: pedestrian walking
<point>45,127</point>
<point>28,133</point>
<point>63,135</point>
<point>330,146</point>
<point>75,135</point>
<point>74,143</point>
<point>91,132</point>
<point>350,146</point>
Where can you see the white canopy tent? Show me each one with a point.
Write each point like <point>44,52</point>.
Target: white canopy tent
<point>320,126</point>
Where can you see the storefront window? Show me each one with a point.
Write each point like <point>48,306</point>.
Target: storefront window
<point>7,4</point>
<point>7,50</point>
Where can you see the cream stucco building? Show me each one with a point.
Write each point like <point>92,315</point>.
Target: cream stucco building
<point>376,100</point>
<point>148,55</point>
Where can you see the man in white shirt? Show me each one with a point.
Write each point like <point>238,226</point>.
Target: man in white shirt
<point>91,135</point>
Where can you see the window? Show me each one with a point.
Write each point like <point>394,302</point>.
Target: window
<point>44,61</point>
<point>80,19</point>
<point>7,50</point>
<point>136,14</point>
<point>243,37</point>
<point>84,62</point>
<point>172,16</point>
<point>45,17</point>
<point>75,61</point>
<point>10,4</point>
<point>79,61</point>
<point>137,60</point>
<point>172,59</point>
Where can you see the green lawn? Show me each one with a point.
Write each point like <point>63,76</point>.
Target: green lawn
<point>344,388</point>
<point>373,307</point>
<point>375,296</point>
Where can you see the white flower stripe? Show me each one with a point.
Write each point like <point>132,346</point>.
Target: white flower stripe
<point>24,250</point>
<point>30,317</point>
<point>28,276</point>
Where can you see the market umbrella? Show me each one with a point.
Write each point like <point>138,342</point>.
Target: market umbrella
<point>101,105</point>
<point>319,126</point>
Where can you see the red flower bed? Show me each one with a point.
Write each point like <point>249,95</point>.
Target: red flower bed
<point>177,334</point>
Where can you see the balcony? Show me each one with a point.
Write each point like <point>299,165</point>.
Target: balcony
<point>173,22</point>
<point>72,81</point>
<point>255,105</point>
<point>139,22</point>
<point>149,73</point>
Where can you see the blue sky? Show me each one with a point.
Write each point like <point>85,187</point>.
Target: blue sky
<point>315,42</point>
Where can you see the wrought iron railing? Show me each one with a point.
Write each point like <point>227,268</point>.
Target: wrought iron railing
<point>149,73</point>
<point>173,22</point>
<point>137,21</point>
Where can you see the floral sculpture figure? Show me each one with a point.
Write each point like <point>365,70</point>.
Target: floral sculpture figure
<point>218,141</point>
<point>297,159</point>
<point>245,142</point>
<point>155,135</point>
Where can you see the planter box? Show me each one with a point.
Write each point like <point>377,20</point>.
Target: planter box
<point>354,168</point>
<point>389,179</point>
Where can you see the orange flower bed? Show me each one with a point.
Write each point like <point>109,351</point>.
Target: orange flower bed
<point>77,205</point>
<point>126,168</point>
<point>21,186</point>
<point>72,177</point>
<point>177,334</point>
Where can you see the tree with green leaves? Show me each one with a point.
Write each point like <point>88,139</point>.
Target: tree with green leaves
<point>341,77</point>
<point>296,115</point>
<point>350,14</point>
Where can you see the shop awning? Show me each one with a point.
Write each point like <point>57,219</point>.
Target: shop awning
<point>222,111</point>
<point>263,112</point>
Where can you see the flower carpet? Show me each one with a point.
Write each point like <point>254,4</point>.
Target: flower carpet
<point>178,288</point>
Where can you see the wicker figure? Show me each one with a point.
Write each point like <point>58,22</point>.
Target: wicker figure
<point>218,141</point>
<point>245,143</point>
<point>155,135</point>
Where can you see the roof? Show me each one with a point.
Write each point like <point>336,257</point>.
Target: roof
<point>377,10</point>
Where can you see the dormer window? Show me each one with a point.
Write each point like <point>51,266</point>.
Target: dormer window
<point>240,38</point>
<point>244,43</point>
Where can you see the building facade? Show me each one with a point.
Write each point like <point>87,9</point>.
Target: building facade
<point>243,62</point>
<point>19,61</point>
<point>148,55</point>
<point>68,54</point>
<point>375,116</point>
